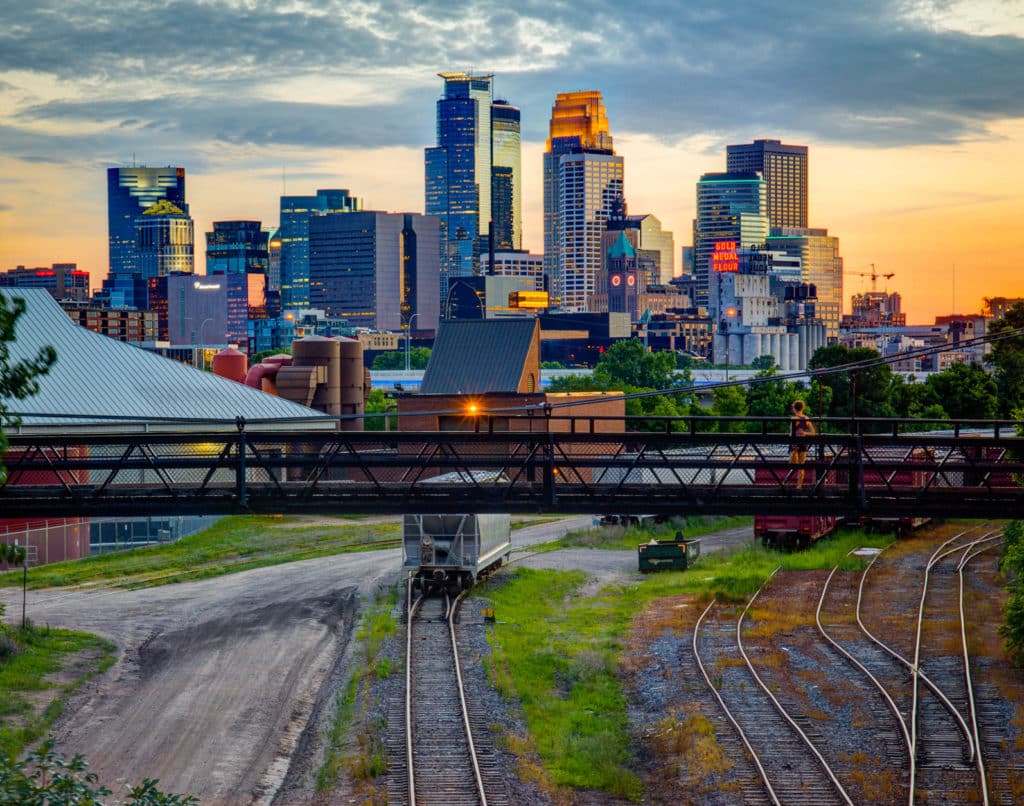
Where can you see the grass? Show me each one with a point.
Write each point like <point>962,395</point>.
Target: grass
<point>32,696</point>
<point>558,652</point>
<point>233,544</point>
<point>369,758</point>
<point>619,538</point>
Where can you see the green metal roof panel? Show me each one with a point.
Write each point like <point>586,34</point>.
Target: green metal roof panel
<point>98,376</point>
<point>478,356</point>
<point>621,248</point>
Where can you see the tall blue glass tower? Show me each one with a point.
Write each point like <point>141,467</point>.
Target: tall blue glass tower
<point>458,173</point>
<point>130,192</point>
<point>294,235</point>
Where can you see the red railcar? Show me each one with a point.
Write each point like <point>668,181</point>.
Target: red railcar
<point>790,531</point>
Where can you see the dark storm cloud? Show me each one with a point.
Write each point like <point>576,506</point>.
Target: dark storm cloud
<point>860,73</point>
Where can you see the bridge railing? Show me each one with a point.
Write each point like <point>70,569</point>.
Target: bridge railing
<point>536,463</point>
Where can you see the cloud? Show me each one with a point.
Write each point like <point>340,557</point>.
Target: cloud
<point>5,207</point>
<point>191,73</point>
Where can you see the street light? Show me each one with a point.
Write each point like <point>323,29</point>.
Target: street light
<point>408,339</point>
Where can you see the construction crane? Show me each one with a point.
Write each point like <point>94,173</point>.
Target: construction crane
<point>874,275</point>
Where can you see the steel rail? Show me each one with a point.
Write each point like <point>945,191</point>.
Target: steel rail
<point>728,714</point>
<point>778,706</point>
<point>952,709</point>
<point>412,607</point>
<point>862,668</point>
<point>968,556</point>
<point>937,556</point>
<point>462,697</point>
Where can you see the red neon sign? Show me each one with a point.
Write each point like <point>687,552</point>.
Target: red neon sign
<point>724,257</point>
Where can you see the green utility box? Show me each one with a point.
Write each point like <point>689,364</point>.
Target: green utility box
<point>668,555</point>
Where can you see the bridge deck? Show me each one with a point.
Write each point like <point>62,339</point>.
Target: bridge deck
<point>886,475</point>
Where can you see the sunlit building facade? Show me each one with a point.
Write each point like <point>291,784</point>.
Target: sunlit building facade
<point>583,177</point>
<point>296,211</point>
<point>820,264</point>
<point>506,176</point>
<point>165,238</point>
<point>784,170</point>
<point>458,173</point>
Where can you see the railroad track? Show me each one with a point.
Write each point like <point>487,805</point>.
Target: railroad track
<point>792,769</point>
<point>443,762</point>
<point>921,680</point>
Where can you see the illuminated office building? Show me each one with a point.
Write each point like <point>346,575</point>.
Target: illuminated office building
<point>583,178</point>
<point>130,191</point>
<point>820,264</point>
<point>784,170</point>
<point>296,212</point>
<point>458,173</point>
<point>376,270</point>
<point>731,209</point>
<point>165,242</point>
<point>237,247</point>
<point>506,177</point>
<point>64,281</point>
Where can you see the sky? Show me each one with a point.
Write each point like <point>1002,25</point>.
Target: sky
<point>913,111</point>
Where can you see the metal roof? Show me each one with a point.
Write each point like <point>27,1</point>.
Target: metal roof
<point>96,378</point>
<point>477,356</point>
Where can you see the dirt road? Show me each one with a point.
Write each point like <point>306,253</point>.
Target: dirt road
<point>217,679</point>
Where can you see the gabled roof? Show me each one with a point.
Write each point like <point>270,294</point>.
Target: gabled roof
<point>622,247</point>
<point>96,376</point>
<point>478,356</point>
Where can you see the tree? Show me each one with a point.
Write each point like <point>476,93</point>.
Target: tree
<point>629,368</point>
<point>870,386</point>
<point>18,379</point>
<point>46,778</point>
<point>770,396</point>
<point>257,358</point>
<point>965,392</point>
<point>377,403</point>
<point>1007,357</point>
<point>418,358</point>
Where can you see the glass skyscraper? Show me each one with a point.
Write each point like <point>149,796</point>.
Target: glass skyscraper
<point>458,173</point>
<point>237,247</point>
<point>820,264</point>
<point>376,269</point>
<point>582,180</point>
<point>506,177</point>
<point>131,191</point>
<point>166,242</point>
<point>296,211</point>
<point>784,170</point>
<point>731,208</point>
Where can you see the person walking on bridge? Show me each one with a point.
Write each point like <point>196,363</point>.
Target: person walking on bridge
<point>801,427</point>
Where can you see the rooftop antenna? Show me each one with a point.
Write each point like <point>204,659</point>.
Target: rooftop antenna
<point>284,186</point>
<point>954,289</point>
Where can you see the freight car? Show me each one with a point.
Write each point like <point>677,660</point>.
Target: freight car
<point>907,475</point>
<point>793,531</point>
<point>451,551</point>
<point>790,531</point>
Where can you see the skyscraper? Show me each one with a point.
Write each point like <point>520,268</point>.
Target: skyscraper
<point>506,177</point>
<point>296,211</point>
<point>582,179</point>
<point>130,191</point>
<point>376,269</point>
<point>820,264</point>
<point>784,170</point>
<point>237,247</point>
<point>731,216</point>
<point>165,242</point>
<point>458,173</point>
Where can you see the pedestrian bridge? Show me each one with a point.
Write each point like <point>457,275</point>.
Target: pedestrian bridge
<point>688,466</point>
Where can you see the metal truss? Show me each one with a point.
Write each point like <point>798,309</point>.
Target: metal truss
<point>891,474</point>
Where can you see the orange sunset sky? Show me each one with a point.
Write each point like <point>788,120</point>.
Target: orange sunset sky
<point>913,112</point>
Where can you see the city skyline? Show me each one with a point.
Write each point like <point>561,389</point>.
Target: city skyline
<point>914,121</point>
